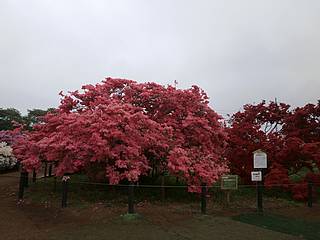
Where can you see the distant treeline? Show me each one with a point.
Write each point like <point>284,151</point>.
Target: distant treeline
<point>10,116</point>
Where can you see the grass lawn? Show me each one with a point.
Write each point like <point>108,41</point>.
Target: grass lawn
<point>296,227</point>
<point>81,192</point>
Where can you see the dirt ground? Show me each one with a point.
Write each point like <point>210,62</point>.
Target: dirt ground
<point>27,221</point>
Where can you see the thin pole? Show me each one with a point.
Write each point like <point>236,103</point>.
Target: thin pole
<point>131,198</point>
<point>50,170</point>
<point>26,179</point>
<point>34,176</point>
<point>55,183</point>
<point>21,185</point>
<point>45,169</point>
<point>310,188</point>
<point>65,181</point>
<point>203,198</point>
<point>163,192</point>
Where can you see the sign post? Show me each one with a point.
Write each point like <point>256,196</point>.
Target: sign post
<point>259,196</point>
<point>228,183</point>
<point>259,163</point>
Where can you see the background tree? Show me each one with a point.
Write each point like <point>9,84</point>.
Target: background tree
<point>11,116</point>
<point>35,116</point>
<point>290,137</point>
<point>301,152</point>
<point>256,127</point>
<point>7,118</point>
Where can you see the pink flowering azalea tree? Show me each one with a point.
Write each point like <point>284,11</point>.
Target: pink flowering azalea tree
<point>130,129</point>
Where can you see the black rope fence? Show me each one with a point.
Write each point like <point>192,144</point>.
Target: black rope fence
<point>66,183</point>
<point>166,186</point>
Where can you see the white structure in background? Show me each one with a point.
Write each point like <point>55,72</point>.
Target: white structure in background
<point>7,160</point>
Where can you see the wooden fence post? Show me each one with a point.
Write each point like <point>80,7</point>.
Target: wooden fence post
<point>21,185</point>
<point>163,190</point>
<point>203,198</point>
<point>45,169</point>
<point>34,176</point>
<point>65,181</point>
<point>131,198</point>
<point>55,183</point>
<point>50,170</point>
<point>26,180</point>
<point>310,189</point>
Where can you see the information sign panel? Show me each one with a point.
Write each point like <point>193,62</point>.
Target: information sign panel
<point>229,182</point>
<point>256,176</point>
<point>259,159</point>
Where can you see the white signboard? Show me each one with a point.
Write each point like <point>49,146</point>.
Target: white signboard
<point>259,159</point>
<point>256,176</point>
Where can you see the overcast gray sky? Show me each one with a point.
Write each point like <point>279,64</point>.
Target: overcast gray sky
<point>238,51</point>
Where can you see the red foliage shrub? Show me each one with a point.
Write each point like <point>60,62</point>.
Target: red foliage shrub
<point>277,176</point>
<point>257,127</point>
<point>290,138</point>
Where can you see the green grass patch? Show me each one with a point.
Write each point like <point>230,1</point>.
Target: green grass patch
<point>296,227</point>
<point>82,193</point>
<point>130,216</point>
